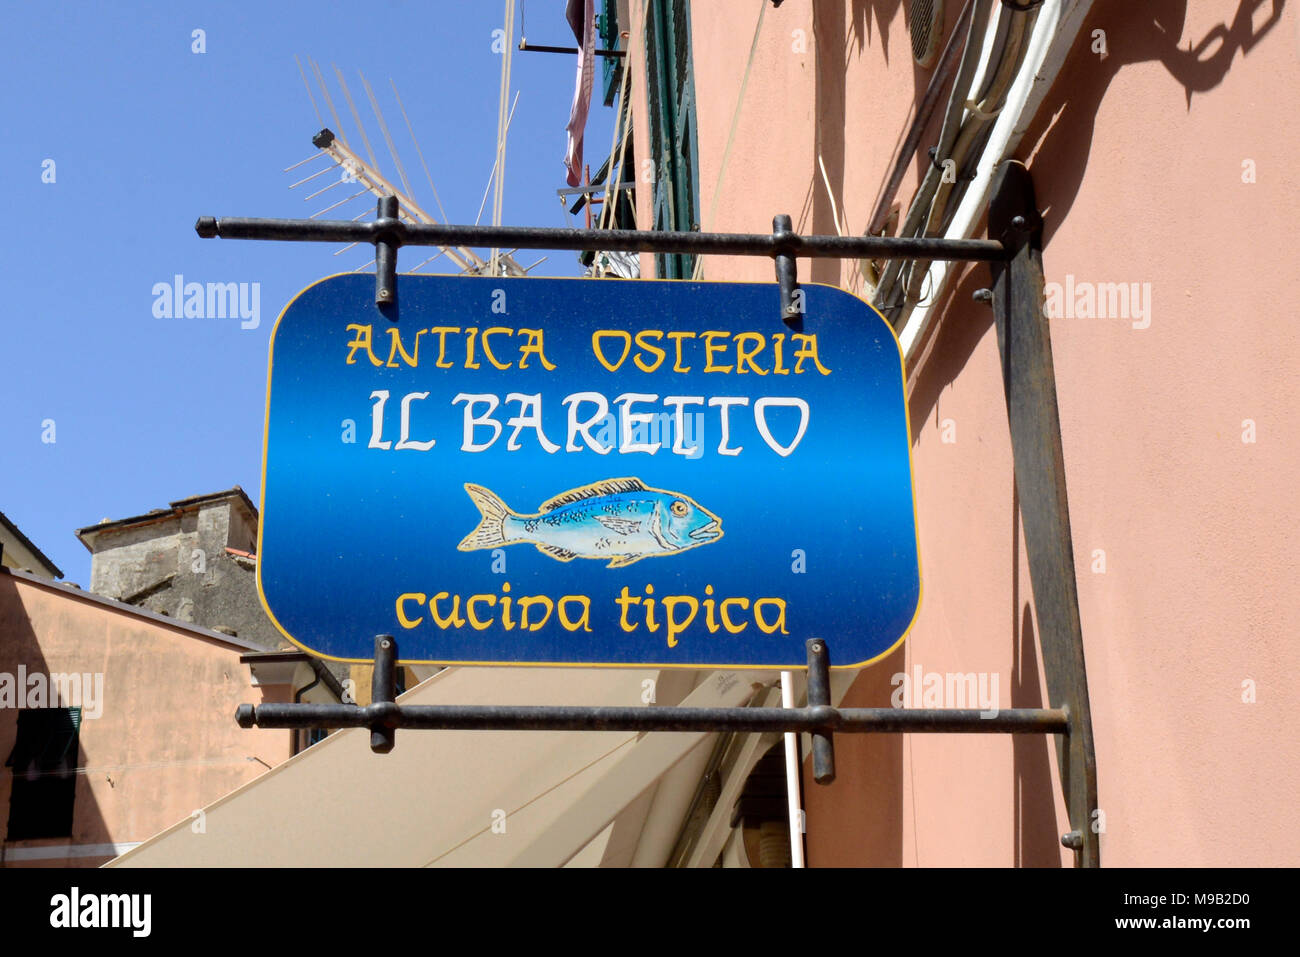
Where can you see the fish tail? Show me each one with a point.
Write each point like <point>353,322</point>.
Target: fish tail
<point>490,531</point>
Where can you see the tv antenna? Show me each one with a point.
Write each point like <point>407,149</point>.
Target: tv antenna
<point>344,166</point>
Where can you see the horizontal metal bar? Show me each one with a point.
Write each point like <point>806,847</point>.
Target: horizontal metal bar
<point>597,188</point>
<point>572,718</point>
<point>535,48</point>
<point>615,240</point>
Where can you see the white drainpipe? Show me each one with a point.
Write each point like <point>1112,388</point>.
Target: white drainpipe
<point>1054,33</point>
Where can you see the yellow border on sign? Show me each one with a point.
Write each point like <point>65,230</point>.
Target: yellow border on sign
<point>907,418</point>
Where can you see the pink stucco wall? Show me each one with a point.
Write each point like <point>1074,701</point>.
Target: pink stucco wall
<point>1138,161</point>
<point>166,743</point>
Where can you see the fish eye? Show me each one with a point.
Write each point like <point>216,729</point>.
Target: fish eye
<point>679,508</point>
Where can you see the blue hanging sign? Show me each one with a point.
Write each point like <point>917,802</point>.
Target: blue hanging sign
<point>587,472</point>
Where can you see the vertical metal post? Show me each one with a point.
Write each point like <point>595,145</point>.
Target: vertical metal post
<point>383,688</point>
<point>386,253</point>
<point>819,696</point>
<point>1028,378</point>
<point>787,276</point>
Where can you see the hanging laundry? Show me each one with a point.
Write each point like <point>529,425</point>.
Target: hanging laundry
<point>581,15</point>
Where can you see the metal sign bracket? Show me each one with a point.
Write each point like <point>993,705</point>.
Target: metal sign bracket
<point>1029,381</point>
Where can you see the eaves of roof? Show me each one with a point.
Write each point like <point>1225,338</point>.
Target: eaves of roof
<point>30,545</point>
<point>136,611</point>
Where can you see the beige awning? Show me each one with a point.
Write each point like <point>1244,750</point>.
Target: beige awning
<point>472,798</point>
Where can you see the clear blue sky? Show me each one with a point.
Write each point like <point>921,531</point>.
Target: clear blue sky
<point>146,136</point>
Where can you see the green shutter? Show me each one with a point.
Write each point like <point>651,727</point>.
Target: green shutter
<point>44,761</point>
<point>607,37</point>
<point>670,89</point>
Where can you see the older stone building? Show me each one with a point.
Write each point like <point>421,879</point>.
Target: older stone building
<point>194,561</point>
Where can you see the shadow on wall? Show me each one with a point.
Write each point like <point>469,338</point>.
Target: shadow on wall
<point>885,11</point>
<point>864,806</point>
<point>954,335</point>
<point>829,120</point>
<point>1035,828</point>
<point>1058,144</point>
<point>1060,138</point>
<point>20,646</point>
<point>1060,141</point>
<point>866,801</point>
<point>842,29</point>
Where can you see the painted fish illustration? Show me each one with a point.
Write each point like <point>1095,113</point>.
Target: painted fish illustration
<point>621,519</point>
